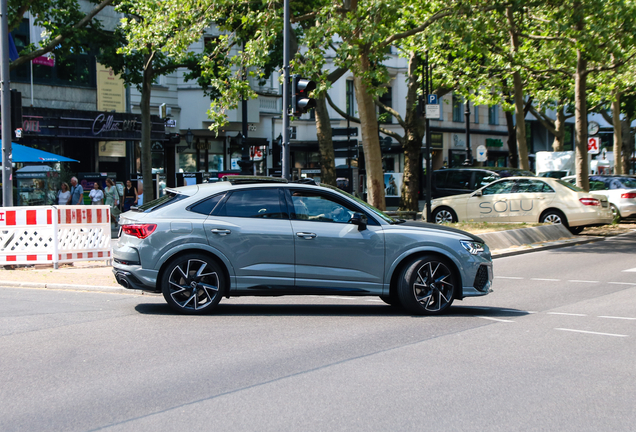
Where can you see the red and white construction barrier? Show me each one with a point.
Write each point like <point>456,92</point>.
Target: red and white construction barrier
<point>54,234</point>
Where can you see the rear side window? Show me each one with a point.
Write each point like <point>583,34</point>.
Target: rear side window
<point>207,206</point>
<point>164,201</point>
<point>439,179</point>
<point>253,203</point>
<point>459,179</point>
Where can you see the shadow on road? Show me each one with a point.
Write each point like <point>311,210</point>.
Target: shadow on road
<point>623,244</point>
<point>371,310</point>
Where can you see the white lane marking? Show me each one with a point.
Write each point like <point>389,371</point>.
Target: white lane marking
<point>548,280</point>
<point>614,317</point>
<point>622,283</point>
<point>508,277</point>
<point>492,319</point>
<point>630,270</point>
<point>563,313</point>
<point>583,281</point>
<point>591,332</point>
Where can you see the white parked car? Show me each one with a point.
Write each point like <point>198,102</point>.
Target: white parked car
<point>523,199</point>
<point>619,190</point>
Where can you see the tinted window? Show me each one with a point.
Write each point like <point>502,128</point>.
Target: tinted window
<point>532,186</point>
<point>439,179</point>
<point>483,178</point>
<point>570,185</point>
<point>253,203</point>
<point>207,206</point>
<point>459,179</point>
<point>500,187</point>
<point>167,199</point>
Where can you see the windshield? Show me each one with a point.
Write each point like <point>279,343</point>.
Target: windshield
<point>365,204</point>
<point>570,186</point>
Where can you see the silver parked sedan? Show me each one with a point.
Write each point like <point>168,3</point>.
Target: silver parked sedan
<point>261,236</point>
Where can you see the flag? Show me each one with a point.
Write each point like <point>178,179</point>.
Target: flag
<point>13,51</point>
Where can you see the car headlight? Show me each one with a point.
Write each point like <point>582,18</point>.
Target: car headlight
<point>473,247</point>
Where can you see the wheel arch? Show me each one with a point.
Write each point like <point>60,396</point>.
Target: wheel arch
<point>208,253</point>
<point>444,207</point>
<point>406,260</point>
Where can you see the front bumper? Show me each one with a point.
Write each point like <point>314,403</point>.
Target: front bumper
<point>482,283</point>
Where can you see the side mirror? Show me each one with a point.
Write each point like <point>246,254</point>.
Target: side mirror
<point>478,193</point>
<point>360,220</point>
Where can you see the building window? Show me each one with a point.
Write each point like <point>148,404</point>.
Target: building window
<point>493,115</point>
<point>386,99</point>
<point>458,109</point>
<point>476,111</point>
<point>350,98</point>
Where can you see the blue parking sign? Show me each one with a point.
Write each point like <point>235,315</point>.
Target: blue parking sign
<point>432,99</point>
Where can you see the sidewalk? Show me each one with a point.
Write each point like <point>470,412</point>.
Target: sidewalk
<point>97,276</point>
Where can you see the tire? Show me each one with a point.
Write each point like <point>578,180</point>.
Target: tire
<point>444,215</point>
<point>391,300</point>
<point>427,286</point>
<point>615,212</point>
<point>554,217</point>
<point>193,284</point>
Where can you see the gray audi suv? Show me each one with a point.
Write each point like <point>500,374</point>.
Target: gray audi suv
<point>262,236</point>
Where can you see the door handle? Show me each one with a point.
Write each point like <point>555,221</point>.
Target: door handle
<point>306,235</point>
<point>540,197</point>
<point>221,231</point>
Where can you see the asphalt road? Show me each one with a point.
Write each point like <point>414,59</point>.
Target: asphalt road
<point>552,348</point>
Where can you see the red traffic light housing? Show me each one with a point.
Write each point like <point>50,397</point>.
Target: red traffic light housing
<point>300,100</point>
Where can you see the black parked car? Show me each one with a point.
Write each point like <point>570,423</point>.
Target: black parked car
<point>455,181</point>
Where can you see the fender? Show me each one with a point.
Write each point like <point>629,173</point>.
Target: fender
<point>195,247</point>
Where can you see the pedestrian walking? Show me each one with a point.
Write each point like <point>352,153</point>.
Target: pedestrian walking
<point>130,196</point>
<point>63,195</point>
<point>96,194</point>
<point>77,193</point>
<point>112,199</point>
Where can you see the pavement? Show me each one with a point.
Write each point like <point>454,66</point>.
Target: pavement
<point>97,276</point>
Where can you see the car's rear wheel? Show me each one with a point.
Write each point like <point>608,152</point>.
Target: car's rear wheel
<point>553,217</point>
<point>615,212</point>
<point>444,215</point>
<point>427,286</point>
<point>193,284</point>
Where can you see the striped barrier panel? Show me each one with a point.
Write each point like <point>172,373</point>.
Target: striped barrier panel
<point>54,234</point>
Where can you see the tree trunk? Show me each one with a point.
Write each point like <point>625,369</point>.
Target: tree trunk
<point>370,138</point>
<point>580,124</point>
<point>520,117</point>
<point>146,127</point>
<point>513,154</point>
<point>618,139</point>
<point>412,144</point>
<point>559,127</point>
<point>628,144</point>
<point>325,142</point>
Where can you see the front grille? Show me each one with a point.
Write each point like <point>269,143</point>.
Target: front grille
<point>481,279</point>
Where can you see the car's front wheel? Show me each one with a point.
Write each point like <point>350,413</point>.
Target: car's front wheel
<point>444,215</point>
<point>427,286</point>
<point>193,284</point>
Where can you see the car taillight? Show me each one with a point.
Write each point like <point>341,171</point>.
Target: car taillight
<point>139,230</point>
<point>590,201</point>
<point>629,195</point>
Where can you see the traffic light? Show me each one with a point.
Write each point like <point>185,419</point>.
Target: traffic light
<point>300,101</point>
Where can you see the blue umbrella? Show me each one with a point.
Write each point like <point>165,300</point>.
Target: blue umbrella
<point>29,154</point>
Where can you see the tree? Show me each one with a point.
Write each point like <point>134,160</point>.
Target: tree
<point>66,26</point>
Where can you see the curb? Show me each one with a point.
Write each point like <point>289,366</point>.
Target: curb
<point>538,247</point>
<point>71,287</point>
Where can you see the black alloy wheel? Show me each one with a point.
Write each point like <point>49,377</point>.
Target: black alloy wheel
<point>427,286</point>
<point>193,284</point>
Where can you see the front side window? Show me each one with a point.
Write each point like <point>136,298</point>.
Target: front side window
<point>253,203</point>
<point>315,207</point>
<point>459,179</point>
<point>500,187</point>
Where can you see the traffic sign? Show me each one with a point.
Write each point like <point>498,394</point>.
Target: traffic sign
<point>593,145</point>
<point>482,153</point>
<point>432,111</point>
<point>431,99</point>
<point>256,153</point>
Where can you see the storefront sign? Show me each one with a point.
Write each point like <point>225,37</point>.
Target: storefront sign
<point>111,93</point>
<point>107,123</point>
<point>112,148</point>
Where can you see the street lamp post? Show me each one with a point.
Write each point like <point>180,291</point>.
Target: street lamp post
<point>469,153</point>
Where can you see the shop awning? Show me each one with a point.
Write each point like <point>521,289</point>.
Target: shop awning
<point>29,154</point>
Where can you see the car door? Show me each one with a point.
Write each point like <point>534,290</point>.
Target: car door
<point>332,254</point>
<point>251,228</point>
<point>528,199</point>
<point>490,203</point>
